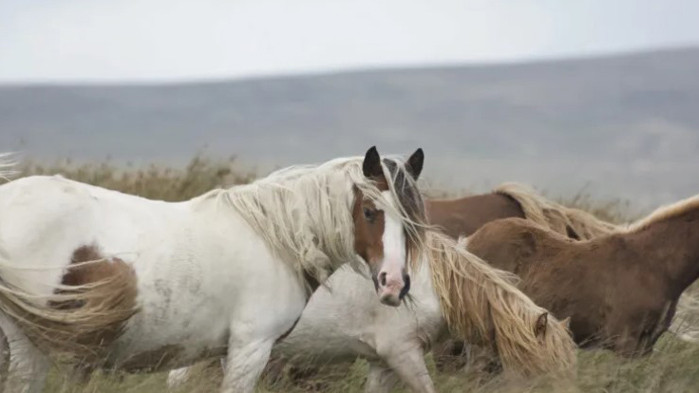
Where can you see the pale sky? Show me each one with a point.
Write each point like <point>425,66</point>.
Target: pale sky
<point>142,40</point>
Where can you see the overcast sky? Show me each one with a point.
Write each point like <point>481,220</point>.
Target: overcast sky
<point>116,40</point>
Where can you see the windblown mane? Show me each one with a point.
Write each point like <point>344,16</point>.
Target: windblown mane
<point>665,213</point>
<point>304,213</point>
<point>554,216</point>
<point>482,305</point>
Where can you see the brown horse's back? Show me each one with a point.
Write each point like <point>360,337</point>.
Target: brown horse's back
<point>517,244</point>
<point>463,216</point>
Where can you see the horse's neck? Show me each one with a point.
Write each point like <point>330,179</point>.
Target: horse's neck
<point>672,244</point>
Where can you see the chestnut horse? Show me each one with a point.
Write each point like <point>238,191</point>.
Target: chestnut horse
<point>620,290</point>
<point>463,216</point>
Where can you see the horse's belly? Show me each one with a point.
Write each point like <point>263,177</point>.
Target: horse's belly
<point>151,342</point>
<point>165,357</point>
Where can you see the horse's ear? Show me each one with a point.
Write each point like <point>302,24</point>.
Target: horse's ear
<point>414,163</point>
<point>372,164</point>
<point>566,323</point>
<point>540,326</point>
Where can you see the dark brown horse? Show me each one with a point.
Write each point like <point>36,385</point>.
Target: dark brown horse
<point>620,290</point>
<point>464,216</point>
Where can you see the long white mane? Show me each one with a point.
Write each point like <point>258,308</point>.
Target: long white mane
<point>304,213</point>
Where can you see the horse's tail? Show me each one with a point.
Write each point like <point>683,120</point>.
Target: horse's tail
<point>571,222</point>
<point>481,304</point>
<point>82,315</point>
<point>7,166</point>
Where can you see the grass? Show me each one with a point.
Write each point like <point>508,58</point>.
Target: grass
<point>673,367</point>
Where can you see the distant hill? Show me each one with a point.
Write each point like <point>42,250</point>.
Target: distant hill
<point>626,125</point>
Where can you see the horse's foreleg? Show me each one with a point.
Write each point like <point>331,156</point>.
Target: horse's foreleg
<point>244,365</point>
<point>380,379</point>
<point>409,364</point>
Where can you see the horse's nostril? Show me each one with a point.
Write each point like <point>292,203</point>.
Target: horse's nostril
<point>382,279</point>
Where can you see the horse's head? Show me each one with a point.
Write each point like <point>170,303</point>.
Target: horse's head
<point>381,233</point>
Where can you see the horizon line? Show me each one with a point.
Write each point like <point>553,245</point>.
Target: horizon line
<point>345,70</point>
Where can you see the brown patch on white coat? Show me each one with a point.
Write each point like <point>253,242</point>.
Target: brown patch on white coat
<point>88,312</point>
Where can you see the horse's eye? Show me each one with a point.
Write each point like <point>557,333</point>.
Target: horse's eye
<point>369,214</point>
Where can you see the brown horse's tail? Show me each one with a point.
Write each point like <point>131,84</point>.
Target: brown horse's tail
<point>571,222</point>
<point>79,319</point>
<point>482,305</point>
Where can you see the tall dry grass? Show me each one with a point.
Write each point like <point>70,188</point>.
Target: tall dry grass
<point>153,181</point>
<point>673,367</point>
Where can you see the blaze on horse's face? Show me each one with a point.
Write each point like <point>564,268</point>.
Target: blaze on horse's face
<point>380,238</point>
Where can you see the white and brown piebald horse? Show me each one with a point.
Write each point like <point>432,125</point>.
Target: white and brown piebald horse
<point>126,283</point>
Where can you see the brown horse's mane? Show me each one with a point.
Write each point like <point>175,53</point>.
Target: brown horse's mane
<point>575,223</point>
<point>664,213</point>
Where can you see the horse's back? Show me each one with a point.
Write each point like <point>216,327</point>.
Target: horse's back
<point>41,195</point>
<point>44,220</point>
<point>464,216</point>
<point>507,243</point>
<point>544,259</point>
<point>45,207</point>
